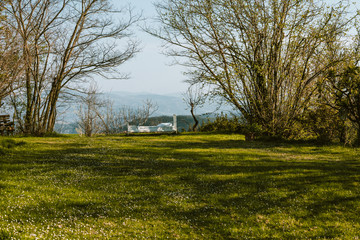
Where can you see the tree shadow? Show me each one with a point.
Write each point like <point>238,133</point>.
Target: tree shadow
<point>202,190</point>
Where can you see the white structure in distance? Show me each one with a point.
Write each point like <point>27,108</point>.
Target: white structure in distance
<point>162,127</point>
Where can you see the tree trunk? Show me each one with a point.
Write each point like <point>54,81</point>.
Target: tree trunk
<point>194,117</point>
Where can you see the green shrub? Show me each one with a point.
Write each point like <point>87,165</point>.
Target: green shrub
<point>53,134</point>
<point>326,125</point>
<point>224,124</point>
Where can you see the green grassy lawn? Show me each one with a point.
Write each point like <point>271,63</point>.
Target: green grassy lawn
<point>177,187</point>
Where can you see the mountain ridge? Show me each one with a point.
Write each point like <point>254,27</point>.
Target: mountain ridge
<point>168,104</point>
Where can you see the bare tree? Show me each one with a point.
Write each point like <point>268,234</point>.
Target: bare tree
<point>194,97</point>
<point>263,56</point>
<point>117,120</point>
<point>89,118</point>
<point>62,43</point>
<point>139,115</point>
<point>113,123</point>
<point>10,62</point>
<point>97,115</point>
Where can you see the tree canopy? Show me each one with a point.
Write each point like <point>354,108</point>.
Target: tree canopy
<point>264,56</point>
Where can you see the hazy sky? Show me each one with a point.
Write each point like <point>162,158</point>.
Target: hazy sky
<point>150,71</point>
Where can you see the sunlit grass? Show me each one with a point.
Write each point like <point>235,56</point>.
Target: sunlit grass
<point>177,187</point>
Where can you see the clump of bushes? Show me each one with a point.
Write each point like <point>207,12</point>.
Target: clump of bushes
<point>53,134</point>
<point>223,124</point>
<point>322,124</point>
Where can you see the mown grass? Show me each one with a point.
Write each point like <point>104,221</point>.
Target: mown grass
<point>177,187</point>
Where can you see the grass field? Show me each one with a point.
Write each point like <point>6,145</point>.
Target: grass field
<point>177,187</point>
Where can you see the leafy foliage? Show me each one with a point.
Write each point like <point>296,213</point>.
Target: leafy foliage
<point>345,90</point>
<point>324,124</point>
<point>224,124</point>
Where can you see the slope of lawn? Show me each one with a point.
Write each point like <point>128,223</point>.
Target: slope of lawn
<point>177,187</point>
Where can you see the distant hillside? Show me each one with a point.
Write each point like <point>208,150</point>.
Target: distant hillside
<point>167,106</point>
<point>184,123</point>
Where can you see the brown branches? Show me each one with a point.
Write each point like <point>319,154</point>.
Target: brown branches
<point>65,42</point>
<point>264,57</point>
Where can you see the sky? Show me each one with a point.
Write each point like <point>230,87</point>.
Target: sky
<point>150,71</point>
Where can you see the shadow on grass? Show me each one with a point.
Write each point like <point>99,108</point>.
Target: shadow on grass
<point>205,191</point>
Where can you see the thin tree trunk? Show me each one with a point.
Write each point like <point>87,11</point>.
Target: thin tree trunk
<point>195,119</point>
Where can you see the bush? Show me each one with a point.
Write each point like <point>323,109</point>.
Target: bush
<point>324,124</point>
<point>53,134</point>
<point>223,124</point>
